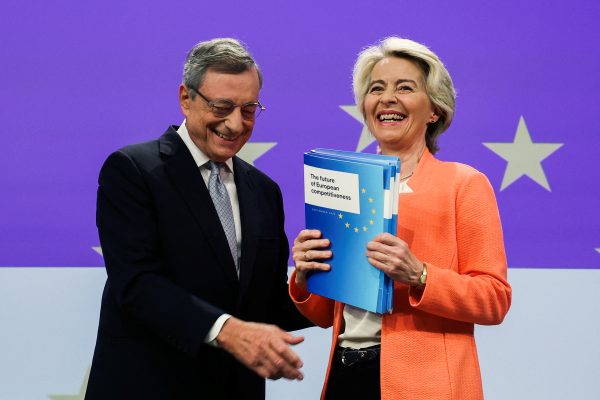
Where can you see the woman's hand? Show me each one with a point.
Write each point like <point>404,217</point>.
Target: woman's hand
<point>309,246</point>
<point>392,256</point>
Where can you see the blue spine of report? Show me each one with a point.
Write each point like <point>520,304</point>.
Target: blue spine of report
<point>351,199</point>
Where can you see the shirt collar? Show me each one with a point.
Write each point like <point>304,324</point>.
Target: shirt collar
<point>199,157</point>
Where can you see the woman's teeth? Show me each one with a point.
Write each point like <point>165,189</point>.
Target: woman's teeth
<point>391,117</point>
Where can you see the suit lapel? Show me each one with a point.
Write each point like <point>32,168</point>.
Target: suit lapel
<point>249,219</point>
<point>185,175</point>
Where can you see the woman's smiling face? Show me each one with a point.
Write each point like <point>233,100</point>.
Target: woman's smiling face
<point>397,108</point>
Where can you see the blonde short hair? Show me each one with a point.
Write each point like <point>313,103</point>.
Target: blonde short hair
<point>438,83</point>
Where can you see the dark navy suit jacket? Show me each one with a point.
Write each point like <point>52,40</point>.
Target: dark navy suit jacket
<point>171,275</point>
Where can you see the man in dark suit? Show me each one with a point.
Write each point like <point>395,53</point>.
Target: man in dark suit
<point>195,249</point>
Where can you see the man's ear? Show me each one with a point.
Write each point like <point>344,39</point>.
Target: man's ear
<point>184,99</point>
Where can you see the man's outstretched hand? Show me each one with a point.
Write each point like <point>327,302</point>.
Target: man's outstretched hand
<point>263,348</point>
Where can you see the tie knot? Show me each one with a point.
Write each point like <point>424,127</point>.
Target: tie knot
<point>215,167</point>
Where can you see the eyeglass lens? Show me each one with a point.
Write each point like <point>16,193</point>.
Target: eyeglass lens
<point>222,108</point>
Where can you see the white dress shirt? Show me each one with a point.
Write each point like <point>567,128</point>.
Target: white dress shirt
<point>228,180</point>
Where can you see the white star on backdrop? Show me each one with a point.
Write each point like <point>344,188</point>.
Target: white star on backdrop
<point>365,136</point>
<point>253,150</point>
<point>523,157</point>
<point>78,396</point>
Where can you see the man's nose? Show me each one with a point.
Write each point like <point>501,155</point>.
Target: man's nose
<point>234,121</point>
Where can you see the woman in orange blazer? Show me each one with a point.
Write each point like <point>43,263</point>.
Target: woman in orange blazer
<point>447,261</point>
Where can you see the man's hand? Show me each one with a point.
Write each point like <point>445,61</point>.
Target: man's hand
<point>265,349</point>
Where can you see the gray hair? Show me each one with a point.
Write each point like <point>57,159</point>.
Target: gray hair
<point>438,83</point>
<point>224,55</point>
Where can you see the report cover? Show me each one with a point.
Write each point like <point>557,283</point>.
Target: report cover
<point>379,159</point>
<point>349,198</point>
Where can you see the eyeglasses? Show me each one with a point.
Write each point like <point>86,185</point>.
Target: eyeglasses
<point>223,107</point>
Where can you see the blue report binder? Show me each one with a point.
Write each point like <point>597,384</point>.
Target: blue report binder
<point>351,198</point>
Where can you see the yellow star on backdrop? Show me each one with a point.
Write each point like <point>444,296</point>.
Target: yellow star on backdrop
<point>523,157</point>
<point>370,222</point>
<point>364,190</point>
<point>78,396</point>
<point>347,225</point>
<point>253,150</point>
<point>365,136</point>
<point>340,216</point>
<point>364,228</point>
<point>370,199</point>
<point>355,229</point>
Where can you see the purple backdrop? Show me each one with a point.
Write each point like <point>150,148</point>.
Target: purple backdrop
<point>80,79</point>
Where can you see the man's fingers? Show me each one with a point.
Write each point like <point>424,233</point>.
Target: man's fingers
<point>287,356</point>
<point>277,365</point>
<point>268,365</point>
<point>274,357</point>
<point>291,339</point>
<point>284,359</point>
<point>265,349</point>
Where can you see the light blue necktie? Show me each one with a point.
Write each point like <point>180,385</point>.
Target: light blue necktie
<point>220,199</point>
